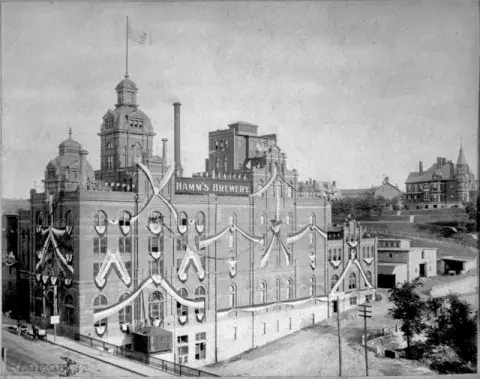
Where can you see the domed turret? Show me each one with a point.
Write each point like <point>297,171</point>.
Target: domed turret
<point>69,146</point>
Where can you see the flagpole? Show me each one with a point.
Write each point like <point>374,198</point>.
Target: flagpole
<point>126,55</point>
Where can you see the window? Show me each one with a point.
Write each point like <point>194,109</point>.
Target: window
<point>200,346</point>
<point>100,219</point>
<point>232,296</point>
<point>69,218</point>
<point>352,281</point>
<point>335,255</point>
<point>156,267</point>
<point>100,302</point>
<point>263,291</point>
<point>363,252</point>
<point>182,310</point>
<point>239,143</point>
<point>289,289</point>
<point>289,323</point>
<point>99,245</point>
<point>234,332</point>
<point>262,220</point>
<point>155,244</point>
<point>200,219</point>
<point>423,254</point>
<point>125,245</point>
<point>182,349</point>
<point>225,164</point>
<point>217,163</point>
<point>278,326</point>
<point>333,281</point>
<point>288,220</point>
<point>38,301</point>
<point>264,328</point>
<point>216,145</point>
<point>179,263</point>
<point>109,146</point>
<point>312,286</point>
<point>330,256</point>
<point>270,167</point>
<point>125,314</point>
<point>199,294</point>
<point>226,145</point>
<point>128,267</point>
<point>124,219</point>
<point>156,305</point>
<point>368,274</point>
<point>69,309</point>
<point>353,300</point>
<point>96,269</point>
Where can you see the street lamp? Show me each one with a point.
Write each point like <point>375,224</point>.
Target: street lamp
<point>11,260</point>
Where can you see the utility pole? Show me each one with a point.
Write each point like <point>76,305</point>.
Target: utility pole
<point>339,339</point>
<point>365,312</point>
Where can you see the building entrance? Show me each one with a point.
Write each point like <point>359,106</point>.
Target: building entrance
<point>422,270</point>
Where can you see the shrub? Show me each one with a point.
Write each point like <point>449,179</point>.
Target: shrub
<point>378,297</point>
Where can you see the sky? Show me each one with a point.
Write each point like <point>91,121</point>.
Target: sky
<point>355,90</point>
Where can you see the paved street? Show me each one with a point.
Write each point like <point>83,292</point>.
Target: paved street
<point>26,357</point>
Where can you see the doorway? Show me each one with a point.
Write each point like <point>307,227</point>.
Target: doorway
<point>422,270</point>
<point>335,306</point>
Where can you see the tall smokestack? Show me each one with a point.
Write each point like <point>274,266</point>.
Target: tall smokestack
<point>83,168</point>
<point>164,150</point>
<point>178,162</point>
<point>420,167</point>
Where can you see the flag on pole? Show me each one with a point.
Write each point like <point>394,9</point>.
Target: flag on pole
<point>138,35</point>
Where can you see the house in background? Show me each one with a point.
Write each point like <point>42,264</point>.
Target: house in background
<point>386,190</point>
<point>399,262</point>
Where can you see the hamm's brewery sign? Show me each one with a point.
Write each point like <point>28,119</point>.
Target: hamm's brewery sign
<point>200,186</point>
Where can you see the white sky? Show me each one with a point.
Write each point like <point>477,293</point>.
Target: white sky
<point>355,90</point>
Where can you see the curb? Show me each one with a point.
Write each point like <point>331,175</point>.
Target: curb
<point>98,359</point>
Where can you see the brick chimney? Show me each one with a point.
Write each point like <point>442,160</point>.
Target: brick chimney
<point>164,150</point>
<point>420,167</point>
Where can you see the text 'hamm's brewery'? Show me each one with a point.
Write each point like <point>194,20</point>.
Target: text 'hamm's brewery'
<point>219,187</point>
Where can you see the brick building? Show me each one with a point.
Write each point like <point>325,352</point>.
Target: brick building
<point>443,185</point>
<point>213,264</point>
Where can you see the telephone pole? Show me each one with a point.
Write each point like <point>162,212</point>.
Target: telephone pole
<point>365,312</point>
<point>339,339</point>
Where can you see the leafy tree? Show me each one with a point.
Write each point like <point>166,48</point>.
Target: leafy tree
<point>471,210</point>
<point>395,203</point>
<point>365,205</point>
<point>379,205</point>
<point>453,324</point>
<point>407,307</point>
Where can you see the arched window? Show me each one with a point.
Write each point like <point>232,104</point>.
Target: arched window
<point>100,302</point>
<point>38,301</point>
<point>278,289</point>
<point>282,167</point>
<point>260,186</point>
<point>352,281</point>
<point>335,256</point>
<point>182,242</point>
<point>363,252</point>
<point>368,274</point>
<point>225,164</point>
<point>270,167</point>
<point>339,256</point>
<point>182,310</point>
<point>155,218</point>
<point>288,220</point>
<point>217,163</point>
<point>183,219</point>
<point>125,314</point>
<point>289,289</point>
<point>263,291</point>
<point>226,145</point>
<point>312,286</point>
<point>124,219</point>
<point>38,218</point>
<point>232,296</point>
<point>200,220</point>
<point>216,145</point>
<point>199,294</point>
<point>290,190</point>
<point>330,256</point>
<point>156,305</point>
<point>69,310</point>
<point>69,218</point>
<point>333,281</point>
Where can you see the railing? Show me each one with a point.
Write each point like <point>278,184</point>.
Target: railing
<point>158,363</point>
<point>398,233</point>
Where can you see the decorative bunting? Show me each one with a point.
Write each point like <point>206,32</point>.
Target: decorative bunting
<point>190,257</point>
<point>368,261</point>
<point>116,260</point>
<point>100,229</point>
<point>125,229</point>
<point>232,267</point>
<point>100,330</point>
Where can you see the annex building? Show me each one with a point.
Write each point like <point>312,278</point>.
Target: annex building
<point>191,269</point>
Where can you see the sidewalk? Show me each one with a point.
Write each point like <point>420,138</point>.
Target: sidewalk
<point>134,367</point>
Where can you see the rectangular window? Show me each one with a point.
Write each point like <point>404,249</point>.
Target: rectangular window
<point>278,326</point>
<point>201,336</point>
<point>125,245</point>
<point>179,263</point>
<point>100,245</point>
<point>423,254</point>
<point>234,332</point>
<point>96,269</point>
<point>182,339</point>
<point>353,300</point>
<point>128,267</point>
<point>200,350</point>
<point>155,244</point>
<point>155,267</point>
<point>313,318</point>
<point>264,328</point>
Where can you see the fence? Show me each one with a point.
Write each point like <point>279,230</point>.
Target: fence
<point>166,366</point>
<point>398,233</point>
